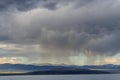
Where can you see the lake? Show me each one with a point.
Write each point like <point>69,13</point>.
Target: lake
<point>63,77</point>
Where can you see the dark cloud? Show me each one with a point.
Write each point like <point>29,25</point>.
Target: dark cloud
<point>19,4</point>
<point>25,5</point>
<point>65,28</point>
<point>76,28</point>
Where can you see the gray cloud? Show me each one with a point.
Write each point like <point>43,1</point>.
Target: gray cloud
<point>64,28</point>
<point>73,30</point>
<point>18,4</point>
<point>25,5</point>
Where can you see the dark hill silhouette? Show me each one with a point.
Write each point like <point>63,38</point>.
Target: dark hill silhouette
<point>30,69</point>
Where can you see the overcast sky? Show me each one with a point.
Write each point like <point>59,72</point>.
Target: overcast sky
<point>71,32</point>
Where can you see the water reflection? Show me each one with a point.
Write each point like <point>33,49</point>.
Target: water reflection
<point>63,77</point>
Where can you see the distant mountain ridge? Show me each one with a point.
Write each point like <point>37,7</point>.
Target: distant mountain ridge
<point>30,67</point>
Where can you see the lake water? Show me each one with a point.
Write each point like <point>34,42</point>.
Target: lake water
<point>64,77</point>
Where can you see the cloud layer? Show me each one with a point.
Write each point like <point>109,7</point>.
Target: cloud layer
<point>62,28</point>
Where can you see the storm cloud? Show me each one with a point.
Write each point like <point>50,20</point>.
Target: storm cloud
<point>63,28</point>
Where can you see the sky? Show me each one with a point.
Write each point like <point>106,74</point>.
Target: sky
<point>72,32</point>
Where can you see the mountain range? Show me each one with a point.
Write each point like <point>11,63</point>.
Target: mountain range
<point>59,69</point>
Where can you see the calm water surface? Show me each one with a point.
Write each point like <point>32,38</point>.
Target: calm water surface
<point>63,77</point>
